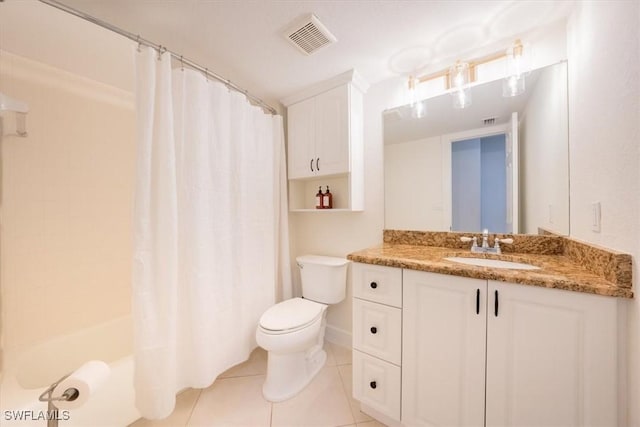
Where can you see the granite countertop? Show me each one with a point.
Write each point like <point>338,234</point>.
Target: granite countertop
<point>559,270</point>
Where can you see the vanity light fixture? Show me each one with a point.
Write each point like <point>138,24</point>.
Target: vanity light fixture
<point>514,84</point>
<point>418,108</point>
<point>459,76</point>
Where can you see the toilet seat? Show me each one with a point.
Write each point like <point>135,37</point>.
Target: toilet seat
<point>290,316</point>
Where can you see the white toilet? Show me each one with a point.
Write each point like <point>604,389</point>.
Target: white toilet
<point>293,331</point>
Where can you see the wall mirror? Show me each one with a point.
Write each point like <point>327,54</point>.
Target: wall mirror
<point>501,163</point>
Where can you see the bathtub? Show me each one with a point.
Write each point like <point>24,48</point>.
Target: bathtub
<point>28,374</point>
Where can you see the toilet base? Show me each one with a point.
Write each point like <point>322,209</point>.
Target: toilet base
<point>288,374</point>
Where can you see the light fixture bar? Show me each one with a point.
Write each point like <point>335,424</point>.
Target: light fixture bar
<point>473,64</point>
<point>433,76</point>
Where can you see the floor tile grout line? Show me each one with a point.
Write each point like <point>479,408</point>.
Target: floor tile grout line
<point>193,408</point>
<point>346,392</point>
<point>241,376</point>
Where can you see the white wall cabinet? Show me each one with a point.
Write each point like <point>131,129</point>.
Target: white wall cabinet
<point>483,353</point>
<point>550,355</point>
<point>325,143</point>
<point>319,135</point>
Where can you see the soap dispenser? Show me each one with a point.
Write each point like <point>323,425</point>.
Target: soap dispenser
<point>319,199</point>
<point>327,199</point>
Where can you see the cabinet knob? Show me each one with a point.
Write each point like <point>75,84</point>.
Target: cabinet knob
<point>373,285</point>
<point>374,330</point>
<point>373,384</point>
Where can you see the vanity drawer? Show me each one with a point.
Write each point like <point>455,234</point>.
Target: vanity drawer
<point>377,330</point>
<point>378,284</point>
<point>376,383</point>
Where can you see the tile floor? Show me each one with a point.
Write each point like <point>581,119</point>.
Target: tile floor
<point>235,399</point>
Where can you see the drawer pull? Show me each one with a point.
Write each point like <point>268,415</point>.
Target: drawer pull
<point>374,330</point>
<point>373,285</point>
<point>373,384</point>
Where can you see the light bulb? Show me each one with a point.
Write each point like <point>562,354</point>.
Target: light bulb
<point>513,86</point>
<point>459,75</point>
<point>458,81</point>
<point>418,110</point>
<point>461,99</point>
<point>517,67</point>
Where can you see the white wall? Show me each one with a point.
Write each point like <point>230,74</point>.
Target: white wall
<point>604,137</point>
<point>544,155</point>
<point>409,166</point>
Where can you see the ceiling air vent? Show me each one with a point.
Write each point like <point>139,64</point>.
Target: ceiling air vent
<point>309,35</point>
<point>489,121</point>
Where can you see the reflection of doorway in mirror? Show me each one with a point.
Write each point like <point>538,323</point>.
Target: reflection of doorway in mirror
<point>501,198</point>
<point>479,184</point>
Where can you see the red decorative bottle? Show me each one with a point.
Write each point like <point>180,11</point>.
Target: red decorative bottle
<point>327,199</point>
<point>319,199</point>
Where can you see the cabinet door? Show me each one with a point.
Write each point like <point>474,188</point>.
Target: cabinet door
<point>301,139</point>
<point>551,357</point>
<point>443,353</point>
<point>332,131</point>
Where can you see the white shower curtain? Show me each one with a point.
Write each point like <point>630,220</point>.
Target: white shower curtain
<point>211,247</point>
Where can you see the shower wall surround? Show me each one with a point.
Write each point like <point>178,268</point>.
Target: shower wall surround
<point>66,206</point>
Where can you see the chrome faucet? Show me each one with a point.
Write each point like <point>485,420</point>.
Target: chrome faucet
<point>485,248</point>
<point>485,238</point>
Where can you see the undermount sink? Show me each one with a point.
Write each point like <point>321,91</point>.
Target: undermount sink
<point>494,263</point>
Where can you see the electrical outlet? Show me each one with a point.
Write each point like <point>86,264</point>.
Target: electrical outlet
<point>596,217</point>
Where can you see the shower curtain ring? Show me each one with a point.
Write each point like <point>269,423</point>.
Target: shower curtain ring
<point>206,74</point>
<point>181,63</point>
<point>139,44</point>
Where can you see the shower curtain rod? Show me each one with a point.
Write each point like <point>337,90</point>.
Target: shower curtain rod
<point>140,40</point>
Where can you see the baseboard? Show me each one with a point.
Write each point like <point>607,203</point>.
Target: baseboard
<point>338,336</point>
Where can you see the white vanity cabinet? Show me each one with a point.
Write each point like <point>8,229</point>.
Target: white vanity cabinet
<point>551,357</point>
<point>377,337</point>
<point>546,357</point>
<point>325,143</point>
<point>443,355</point>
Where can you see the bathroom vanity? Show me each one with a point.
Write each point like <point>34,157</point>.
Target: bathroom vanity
<point>438,342</point>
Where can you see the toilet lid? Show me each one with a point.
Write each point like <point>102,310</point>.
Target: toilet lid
<point>290,314</point>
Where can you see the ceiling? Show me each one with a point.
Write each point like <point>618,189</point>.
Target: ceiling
<point>243,41</point>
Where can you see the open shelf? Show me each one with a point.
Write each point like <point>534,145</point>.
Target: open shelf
<point>302,194</point>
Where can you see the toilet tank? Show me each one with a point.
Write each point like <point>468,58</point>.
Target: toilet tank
<point>324,278</point>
